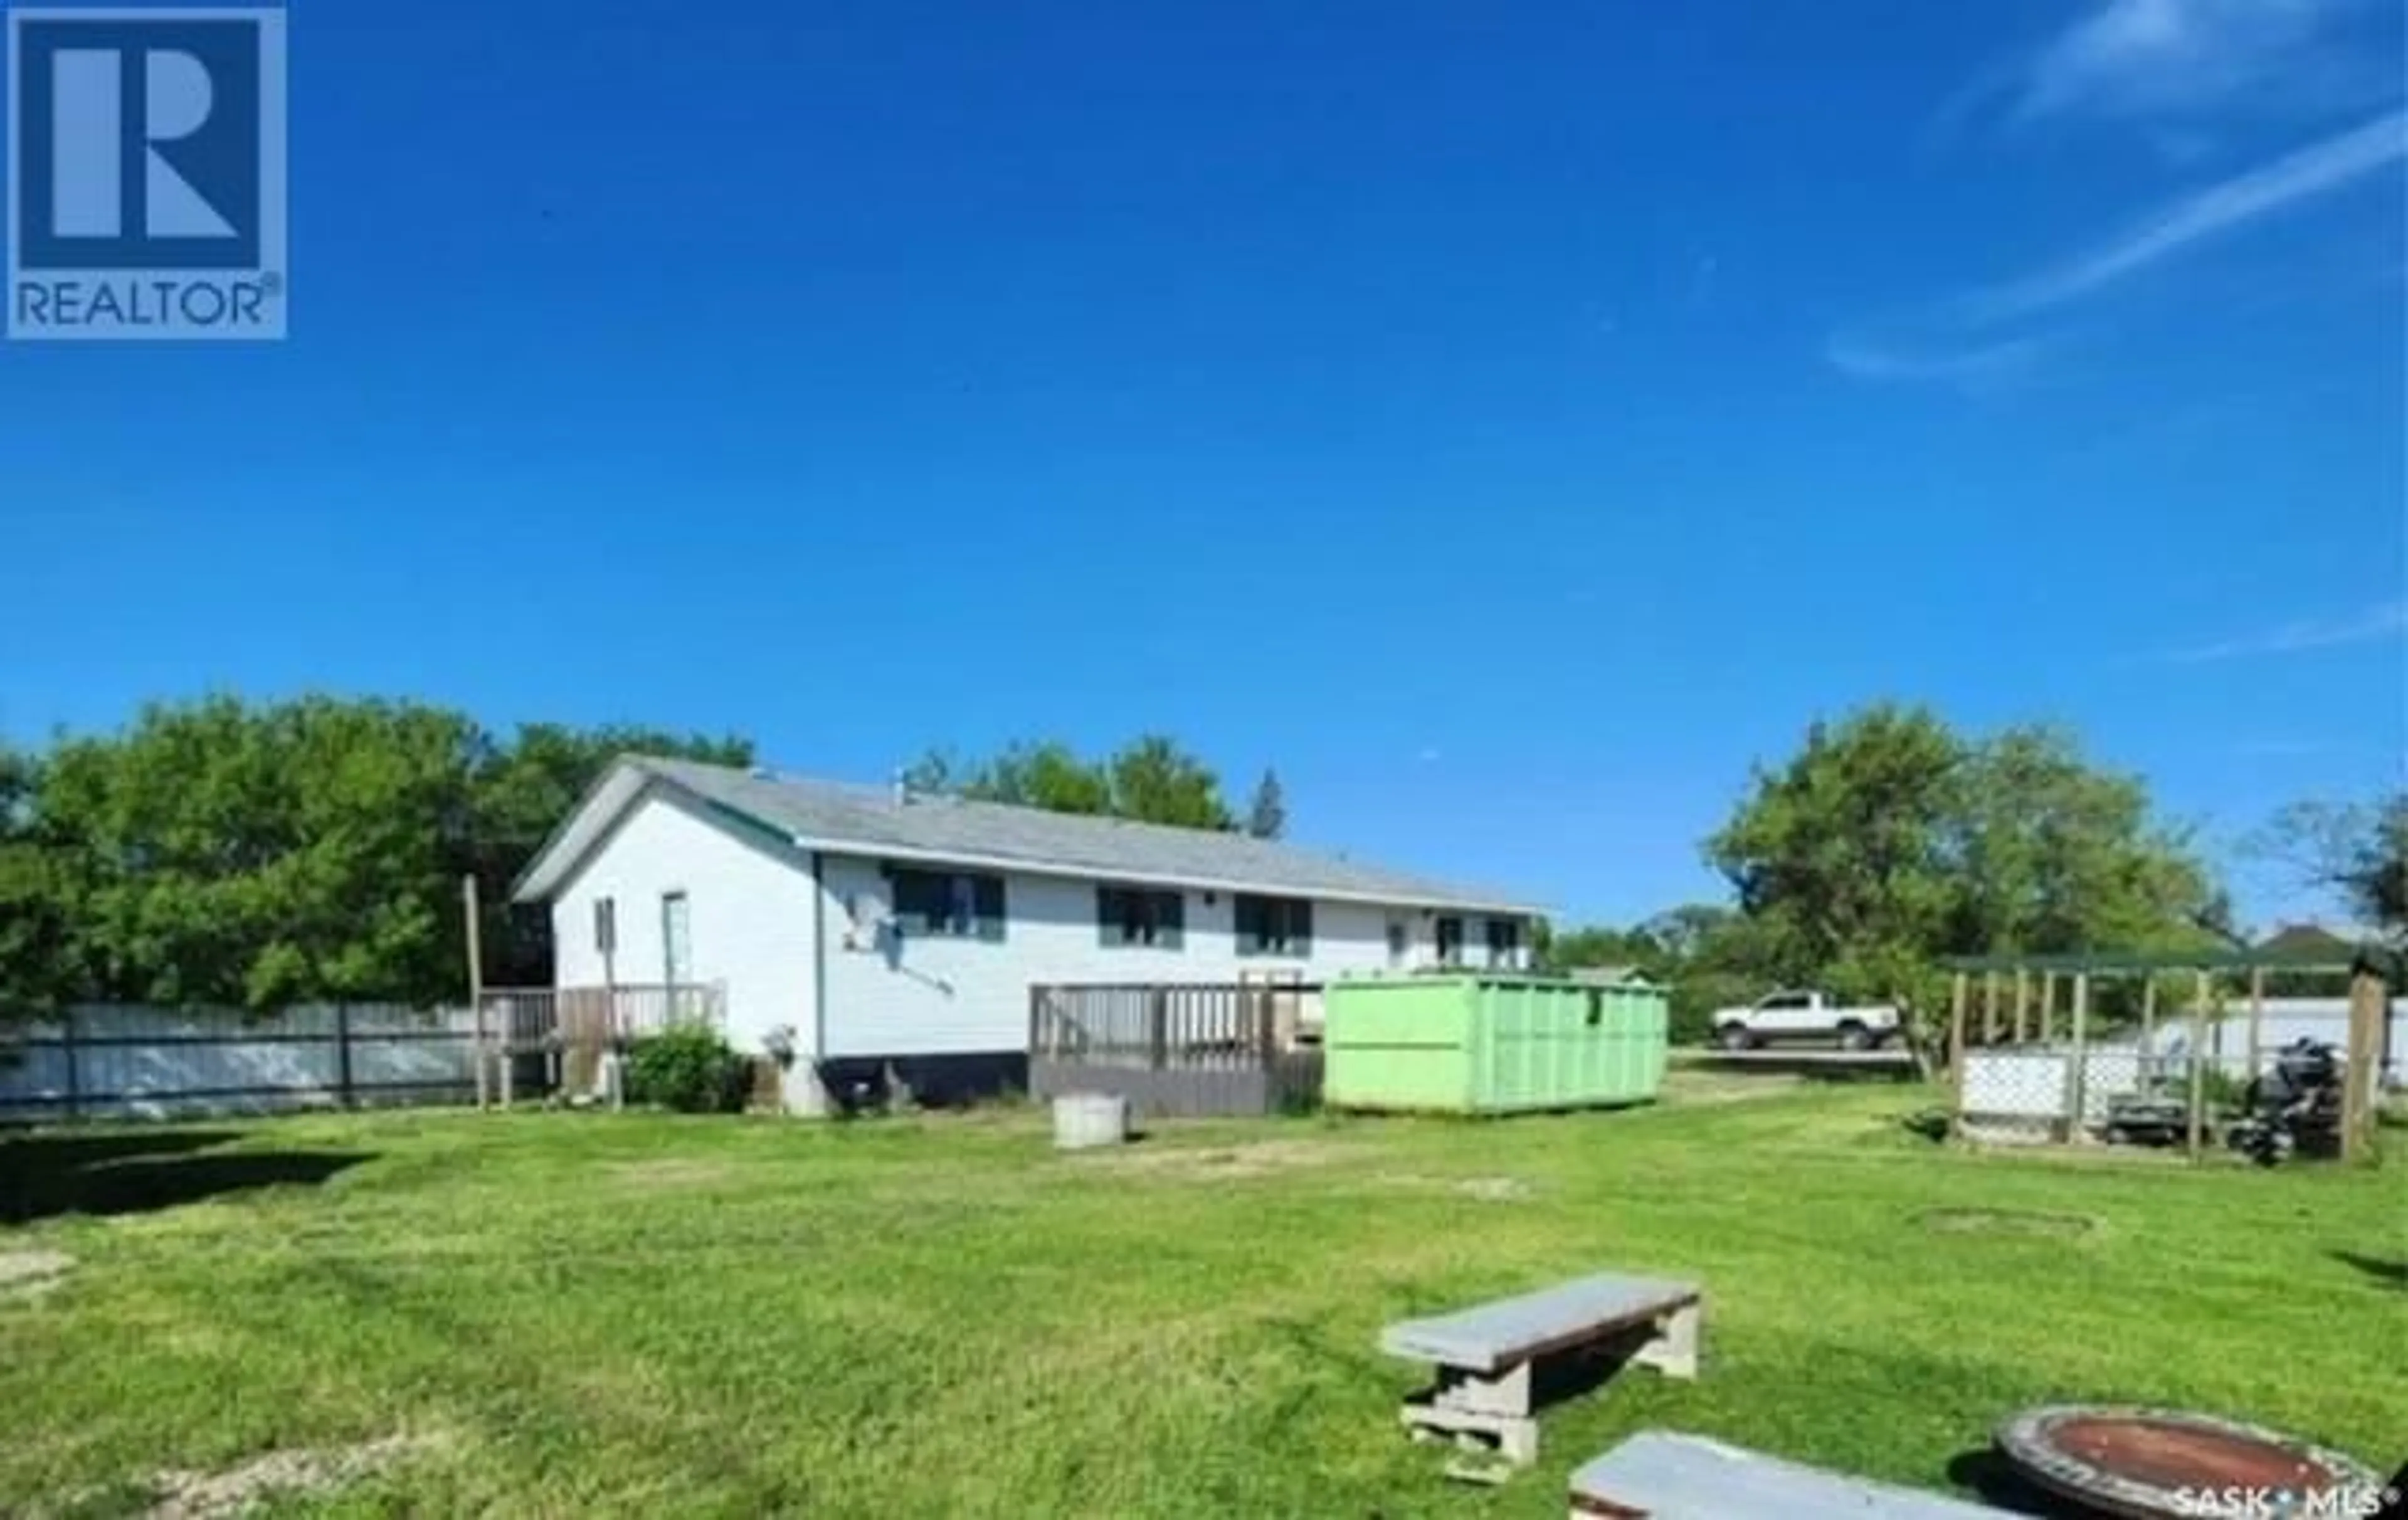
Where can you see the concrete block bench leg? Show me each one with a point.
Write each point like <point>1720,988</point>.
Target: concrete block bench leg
<point>1467,1403</point>
<point>1486,1355</point>
<point>1673,1349</point>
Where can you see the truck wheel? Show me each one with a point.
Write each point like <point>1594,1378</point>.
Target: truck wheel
<point>1855,1037</point>
<point>1735,1037</point>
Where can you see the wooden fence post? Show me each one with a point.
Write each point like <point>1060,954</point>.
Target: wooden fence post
<point>2363,1075</point>
<point>75,1078</point>
<point>1989,1007</point>
<point>2047,1002</point>
<point>2023,996</point>
<point>2198,1063</point>
<point>2148,1028</point>
<point>2078,1069</point>
<point>506,1069</point>
<point>2256,1015</point>
<point>1157,1029</point>
<point>343,1054</point>
<point>1956,999</point>
<point>476,986</point>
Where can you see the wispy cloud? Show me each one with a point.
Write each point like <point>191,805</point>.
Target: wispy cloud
<point>2385,620</point>
<point>2154,60</point>
<point>1957,341</point>
<point>2183,76</point>
<point>2314,170</point>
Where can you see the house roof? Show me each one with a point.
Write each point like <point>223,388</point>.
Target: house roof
<point>860,819</point>
<point>1612,976</point>
<point>2304,940</point>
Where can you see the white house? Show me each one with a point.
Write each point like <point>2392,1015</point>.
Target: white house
<point>870,926</point>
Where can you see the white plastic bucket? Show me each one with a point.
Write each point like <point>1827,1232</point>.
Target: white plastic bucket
<point>1085,1120</point>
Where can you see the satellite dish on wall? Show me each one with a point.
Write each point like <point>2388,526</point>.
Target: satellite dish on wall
<point>867,917</point>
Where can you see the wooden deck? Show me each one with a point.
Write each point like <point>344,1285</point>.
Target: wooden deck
<point>1175,1050</point>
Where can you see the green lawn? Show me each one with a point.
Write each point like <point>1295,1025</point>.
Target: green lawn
<point>628,1314</point>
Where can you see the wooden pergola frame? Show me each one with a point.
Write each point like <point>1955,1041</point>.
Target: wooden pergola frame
<point>2371,972</point>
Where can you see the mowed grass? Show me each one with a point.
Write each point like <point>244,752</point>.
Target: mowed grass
<point>645,1315</point>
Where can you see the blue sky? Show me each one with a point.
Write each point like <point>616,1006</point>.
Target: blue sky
<point>1512,427</point>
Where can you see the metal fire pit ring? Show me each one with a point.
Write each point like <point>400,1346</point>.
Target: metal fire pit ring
<point>2153,1464</point>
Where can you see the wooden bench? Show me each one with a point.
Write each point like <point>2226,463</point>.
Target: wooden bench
<point>1486,1354</point>
<point>1657,1476</point>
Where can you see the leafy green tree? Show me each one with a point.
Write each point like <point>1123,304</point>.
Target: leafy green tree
<point>38,899</point>
<point>1890,842</point>
<point>518,792</point>
<point>1267,814</point>
<point>1151,780</point>
<point>223,853</point>
<point>2062,855</point>
<point>1045,774</point>
<point>1595,946</point>
<point>1049,776</point>
<point>261,857</point>
<point>939,773</point>
<point>1842,859</point>
<point>1156,781</point>
<point>1706,953</point>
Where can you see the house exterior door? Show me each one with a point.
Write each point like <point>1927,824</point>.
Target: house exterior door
<point>677,939</point>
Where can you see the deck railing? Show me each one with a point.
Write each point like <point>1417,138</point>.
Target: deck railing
<point>527,1019</point>
<point>554,1038</point>
<point>1164,1028</point>
<point>1248,1048</point>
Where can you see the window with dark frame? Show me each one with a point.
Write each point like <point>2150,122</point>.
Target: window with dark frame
<point>1141,917</point>
<point>1504,942</point>
<point>958,905</point>
<point>1273,926</point>
<point>1448,934</point>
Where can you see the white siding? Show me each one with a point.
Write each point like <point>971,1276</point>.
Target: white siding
<point>749,911</point>
<point>930,995</point>
<point>754,921</point>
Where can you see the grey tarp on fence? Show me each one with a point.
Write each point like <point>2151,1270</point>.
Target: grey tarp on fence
<point>120,1061</point>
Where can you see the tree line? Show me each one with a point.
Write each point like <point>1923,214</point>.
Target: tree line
<point>1891,841</point>
<point>1151,780</point>
<point>255,854</point>
<point>220,851</point>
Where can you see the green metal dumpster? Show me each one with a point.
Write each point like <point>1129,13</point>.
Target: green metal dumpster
<point>1490,1043</point>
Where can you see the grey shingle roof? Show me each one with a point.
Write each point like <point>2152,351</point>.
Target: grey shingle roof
<point>830,813</point>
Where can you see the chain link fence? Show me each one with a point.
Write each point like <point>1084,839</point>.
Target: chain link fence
<point>2123,1071</point>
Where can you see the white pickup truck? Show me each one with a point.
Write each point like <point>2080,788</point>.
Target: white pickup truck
<point>1805,1015</point>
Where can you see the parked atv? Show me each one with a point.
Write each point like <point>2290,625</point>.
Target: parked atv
<point>2295,1108</point>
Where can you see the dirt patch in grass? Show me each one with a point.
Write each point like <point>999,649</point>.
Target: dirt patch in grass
<point>1485,1189</point>
<point>1219,1162</point>
<point>209,1495</point>
<point>671,1173</point>
<point>2017,1222</point>
<point>27,1275</point>
<point>1691,1086</point>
